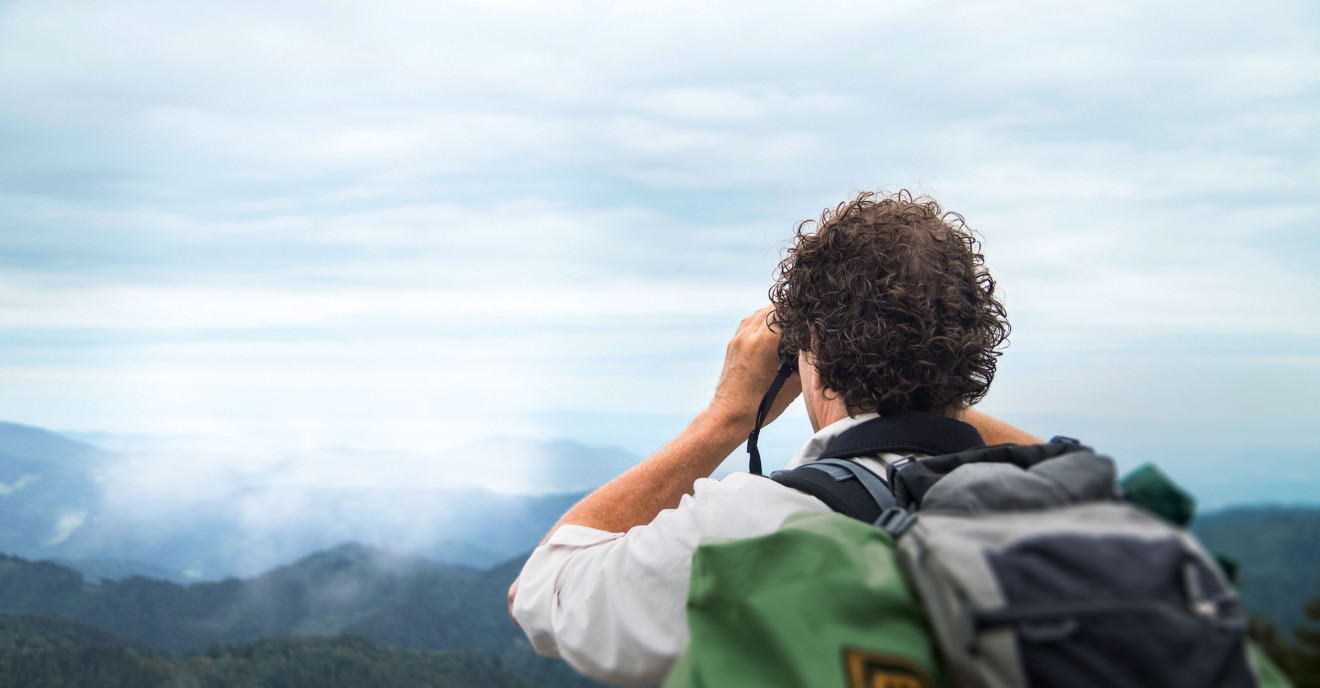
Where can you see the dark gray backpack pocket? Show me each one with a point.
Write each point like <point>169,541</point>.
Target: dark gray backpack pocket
<point>1085,596</point>
<point>1118,611</point>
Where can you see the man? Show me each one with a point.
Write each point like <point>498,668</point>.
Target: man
<point>888,305</point>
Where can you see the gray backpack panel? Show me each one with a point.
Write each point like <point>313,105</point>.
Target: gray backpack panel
<point>987,487</point>
<point>1092,594</point>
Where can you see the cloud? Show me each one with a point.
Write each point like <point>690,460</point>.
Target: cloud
<point>210,308</point>
<point>23,481</point>
<point>65,526</point>
<point>307,225</point>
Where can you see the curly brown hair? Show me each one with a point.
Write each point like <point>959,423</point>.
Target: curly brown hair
<point>891,295</point>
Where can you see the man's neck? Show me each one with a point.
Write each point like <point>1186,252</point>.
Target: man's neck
<point>828,411</point>
<point>834,410</point>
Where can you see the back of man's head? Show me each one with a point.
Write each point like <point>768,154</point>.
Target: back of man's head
<point>891,296</point>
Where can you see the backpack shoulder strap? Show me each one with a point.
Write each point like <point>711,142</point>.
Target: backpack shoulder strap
<point>847,487</point>
<point>853,490</point>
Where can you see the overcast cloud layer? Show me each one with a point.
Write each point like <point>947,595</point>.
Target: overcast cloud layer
<point>409,225</point>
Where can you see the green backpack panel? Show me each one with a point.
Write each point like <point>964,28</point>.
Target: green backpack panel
<point>820,602</point>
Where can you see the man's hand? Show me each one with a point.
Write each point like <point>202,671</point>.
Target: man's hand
<point>750,362</point>
<point>513,592</point>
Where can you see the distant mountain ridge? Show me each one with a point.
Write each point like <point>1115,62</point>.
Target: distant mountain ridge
<point>1278,549</point>
<point>54,505</point>
<point>38,445</point>
<point>396,599</point>
<point>49,487</point>
<point>326,592</point>
<point>96,571</point>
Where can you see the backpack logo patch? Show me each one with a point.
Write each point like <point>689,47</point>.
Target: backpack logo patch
<point>875,670</point>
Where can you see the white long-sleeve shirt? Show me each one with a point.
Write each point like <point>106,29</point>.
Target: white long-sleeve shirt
<point>613,605</point>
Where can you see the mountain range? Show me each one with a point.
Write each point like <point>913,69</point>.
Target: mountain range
<point>58,503</point>
<point>397,600</point>
<point>73,502</point>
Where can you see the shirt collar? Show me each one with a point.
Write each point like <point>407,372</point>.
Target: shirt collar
<point>825,436</point>
<point>917,433</point>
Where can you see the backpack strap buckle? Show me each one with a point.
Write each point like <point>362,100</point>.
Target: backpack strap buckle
<point>896,521</point>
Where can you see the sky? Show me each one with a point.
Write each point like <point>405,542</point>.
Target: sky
<point>273,228</point>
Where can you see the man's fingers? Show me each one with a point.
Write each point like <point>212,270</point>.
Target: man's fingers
<point>756,319</point>
<point>749,365</point>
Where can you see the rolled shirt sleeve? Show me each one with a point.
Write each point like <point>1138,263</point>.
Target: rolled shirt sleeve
<point>614,605</point>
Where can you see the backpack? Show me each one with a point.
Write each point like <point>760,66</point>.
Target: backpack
<point>993,567</point>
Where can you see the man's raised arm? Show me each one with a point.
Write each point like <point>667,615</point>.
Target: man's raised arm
<point>661,480</point>
<point>995,431</point>
<point>657,483</point>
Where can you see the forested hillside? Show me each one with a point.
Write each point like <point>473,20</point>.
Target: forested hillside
<point>43,652</point>
<point>400,601</point>
<point>1278,549</point>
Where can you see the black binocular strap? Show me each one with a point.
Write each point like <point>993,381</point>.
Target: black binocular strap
<point>787,364</point>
